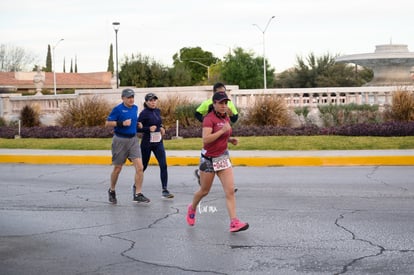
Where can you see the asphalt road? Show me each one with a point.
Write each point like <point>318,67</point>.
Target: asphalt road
<point>55,219</point>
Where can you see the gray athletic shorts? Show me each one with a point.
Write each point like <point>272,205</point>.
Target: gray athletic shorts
<point>125,148</point>
<point>206,163</point>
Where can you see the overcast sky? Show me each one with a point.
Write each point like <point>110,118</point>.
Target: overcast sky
<point>159,28</point>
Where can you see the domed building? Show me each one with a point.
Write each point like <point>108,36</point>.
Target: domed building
<point>391,64</point>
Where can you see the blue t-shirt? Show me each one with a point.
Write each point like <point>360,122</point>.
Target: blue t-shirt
<point>121,113</point>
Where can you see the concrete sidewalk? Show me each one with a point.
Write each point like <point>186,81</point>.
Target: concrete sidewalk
<point>239,158</point>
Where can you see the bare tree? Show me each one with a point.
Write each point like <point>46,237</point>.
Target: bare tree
<point>14,59</point>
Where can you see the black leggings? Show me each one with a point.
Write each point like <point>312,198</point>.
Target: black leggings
<point>159,152</point>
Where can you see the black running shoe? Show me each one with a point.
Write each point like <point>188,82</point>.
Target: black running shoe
<point>112,196</point>
<point>141,198</point>
<point>166,194</point>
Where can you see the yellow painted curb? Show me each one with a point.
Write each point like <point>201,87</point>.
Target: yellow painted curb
<point>42,159</point>
<point>324,161</point>
<point>237,161</point>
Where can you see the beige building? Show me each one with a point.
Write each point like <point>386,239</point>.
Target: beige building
<point>23,82</point>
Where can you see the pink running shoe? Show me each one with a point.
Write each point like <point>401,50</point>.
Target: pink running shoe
<point>190,215</point>
<point>236,225</point>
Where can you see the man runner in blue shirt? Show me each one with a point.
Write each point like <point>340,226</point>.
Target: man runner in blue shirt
<point>125,145</point>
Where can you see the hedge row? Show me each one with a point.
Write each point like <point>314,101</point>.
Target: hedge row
<point>386,129</point>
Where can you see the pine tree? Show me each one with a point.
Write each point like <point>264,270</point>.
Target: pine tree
<point>111,60</point>
<point>71,65</point>
<point>76,64</point>
<point>48,60</point>
<point>64,66</point>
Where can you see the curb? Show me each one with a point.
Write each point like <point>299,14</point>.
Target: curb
<point>388,160</point>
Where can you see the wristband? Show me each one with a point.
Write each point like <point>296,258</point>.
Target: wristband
<point>119,124</point>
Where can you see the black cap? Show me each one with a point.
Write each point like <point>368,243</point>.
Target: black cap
<point>150,96</point>
<point>220,96</point>
<point>128,93</point>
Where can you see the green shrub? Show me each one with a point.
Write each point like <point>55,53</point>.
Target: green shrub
<point>29,117</point>
<point>268,110</point>
<point>67,91</point>
<point>337,115</point>
<point>175,108</point>
<point>2,122</point>
<point>302,111</point>
<point>47,92</point>
<point>185,115</point>
<point>90,111</point>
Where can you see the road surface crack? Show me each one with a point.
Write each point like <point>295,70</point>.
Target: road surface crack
<point>380,248</point>
<point>132,243</point>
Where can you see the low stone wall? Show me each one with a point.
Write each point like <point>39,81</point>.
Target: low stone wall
<point>49,106</point>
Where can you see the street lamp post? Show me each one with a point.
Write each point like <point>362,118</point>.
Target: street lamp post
<point>199,63</point>
<point>54,65</point>
<point>205,66</point>
<point>264,55</point>
<point>116,28</point>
